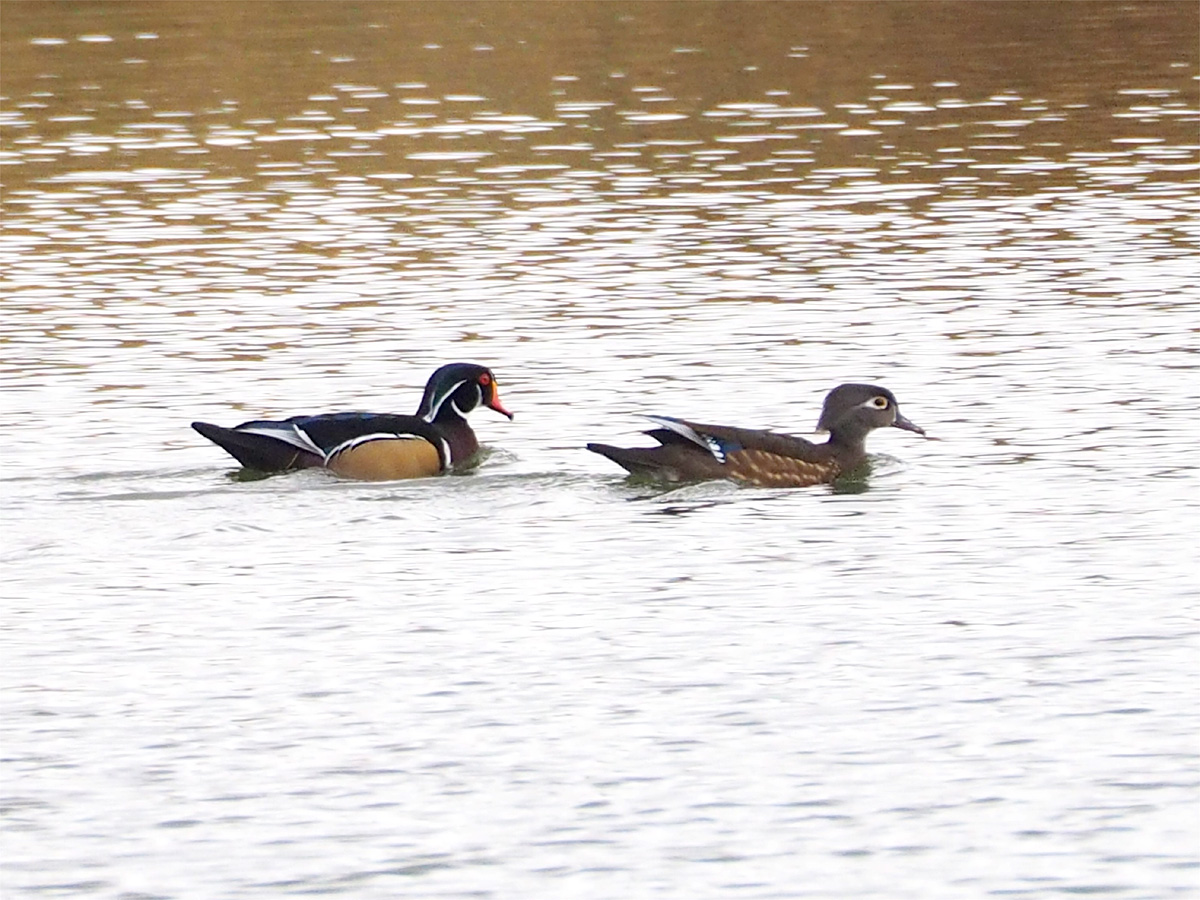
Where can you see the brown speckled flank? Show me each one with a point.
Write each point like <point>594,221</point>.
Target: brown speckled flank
<point>764,469</point>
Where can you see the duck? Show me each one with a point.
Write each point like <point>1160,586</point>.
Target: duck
<point>689,451</point>
<point>372,446</point>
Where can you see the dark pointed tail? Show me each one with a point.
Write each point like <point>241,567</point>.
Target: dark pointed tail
<point>256,451</point>
<point>635,460</point>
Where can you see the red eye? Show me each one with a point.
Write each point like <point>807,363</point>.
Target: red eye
<point>485,379</point>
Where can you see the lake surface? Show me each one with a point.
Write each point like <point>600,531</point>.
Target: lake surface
<point>971,675</point>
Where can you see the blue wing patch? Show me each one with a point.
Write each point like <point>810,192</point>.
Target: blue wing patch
<point>720,449</point>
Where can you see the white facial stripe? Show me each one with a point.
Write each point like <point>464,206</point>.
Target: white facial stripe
<point>479,402</point>
<point>440,399</point>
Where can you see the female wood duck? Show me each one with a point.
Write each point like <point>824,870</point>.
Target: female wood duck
<point>692,452</point>
<point>372,446</point>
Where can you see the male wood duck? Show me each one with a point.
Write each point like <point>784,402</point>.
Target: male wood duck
<point>372,446</point>
<point>692,452</point>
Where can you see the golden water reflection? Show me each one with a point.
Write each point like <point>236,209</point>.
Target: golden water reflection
<point>256,187</point>
<point>536,674</point>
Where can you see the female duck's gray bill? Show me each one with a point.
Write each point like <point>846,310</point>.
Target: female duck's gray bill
<point>903,423</point>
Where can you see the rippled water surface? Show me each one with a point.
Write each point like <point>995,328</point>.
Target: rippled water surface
<point>972,674</point>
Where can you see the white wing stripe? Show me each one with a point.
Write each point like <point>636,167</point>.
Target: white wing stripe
<point>686,431</point>
<point>366,439</point>
<point>306,440</point>
<point>289,434</point>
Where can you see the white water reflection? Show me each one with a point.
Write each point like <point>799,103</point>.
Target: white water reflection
<point>966,676</point>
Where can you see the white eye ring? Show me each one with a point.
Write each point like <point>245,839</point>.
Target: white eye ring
<point>879,402</point>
